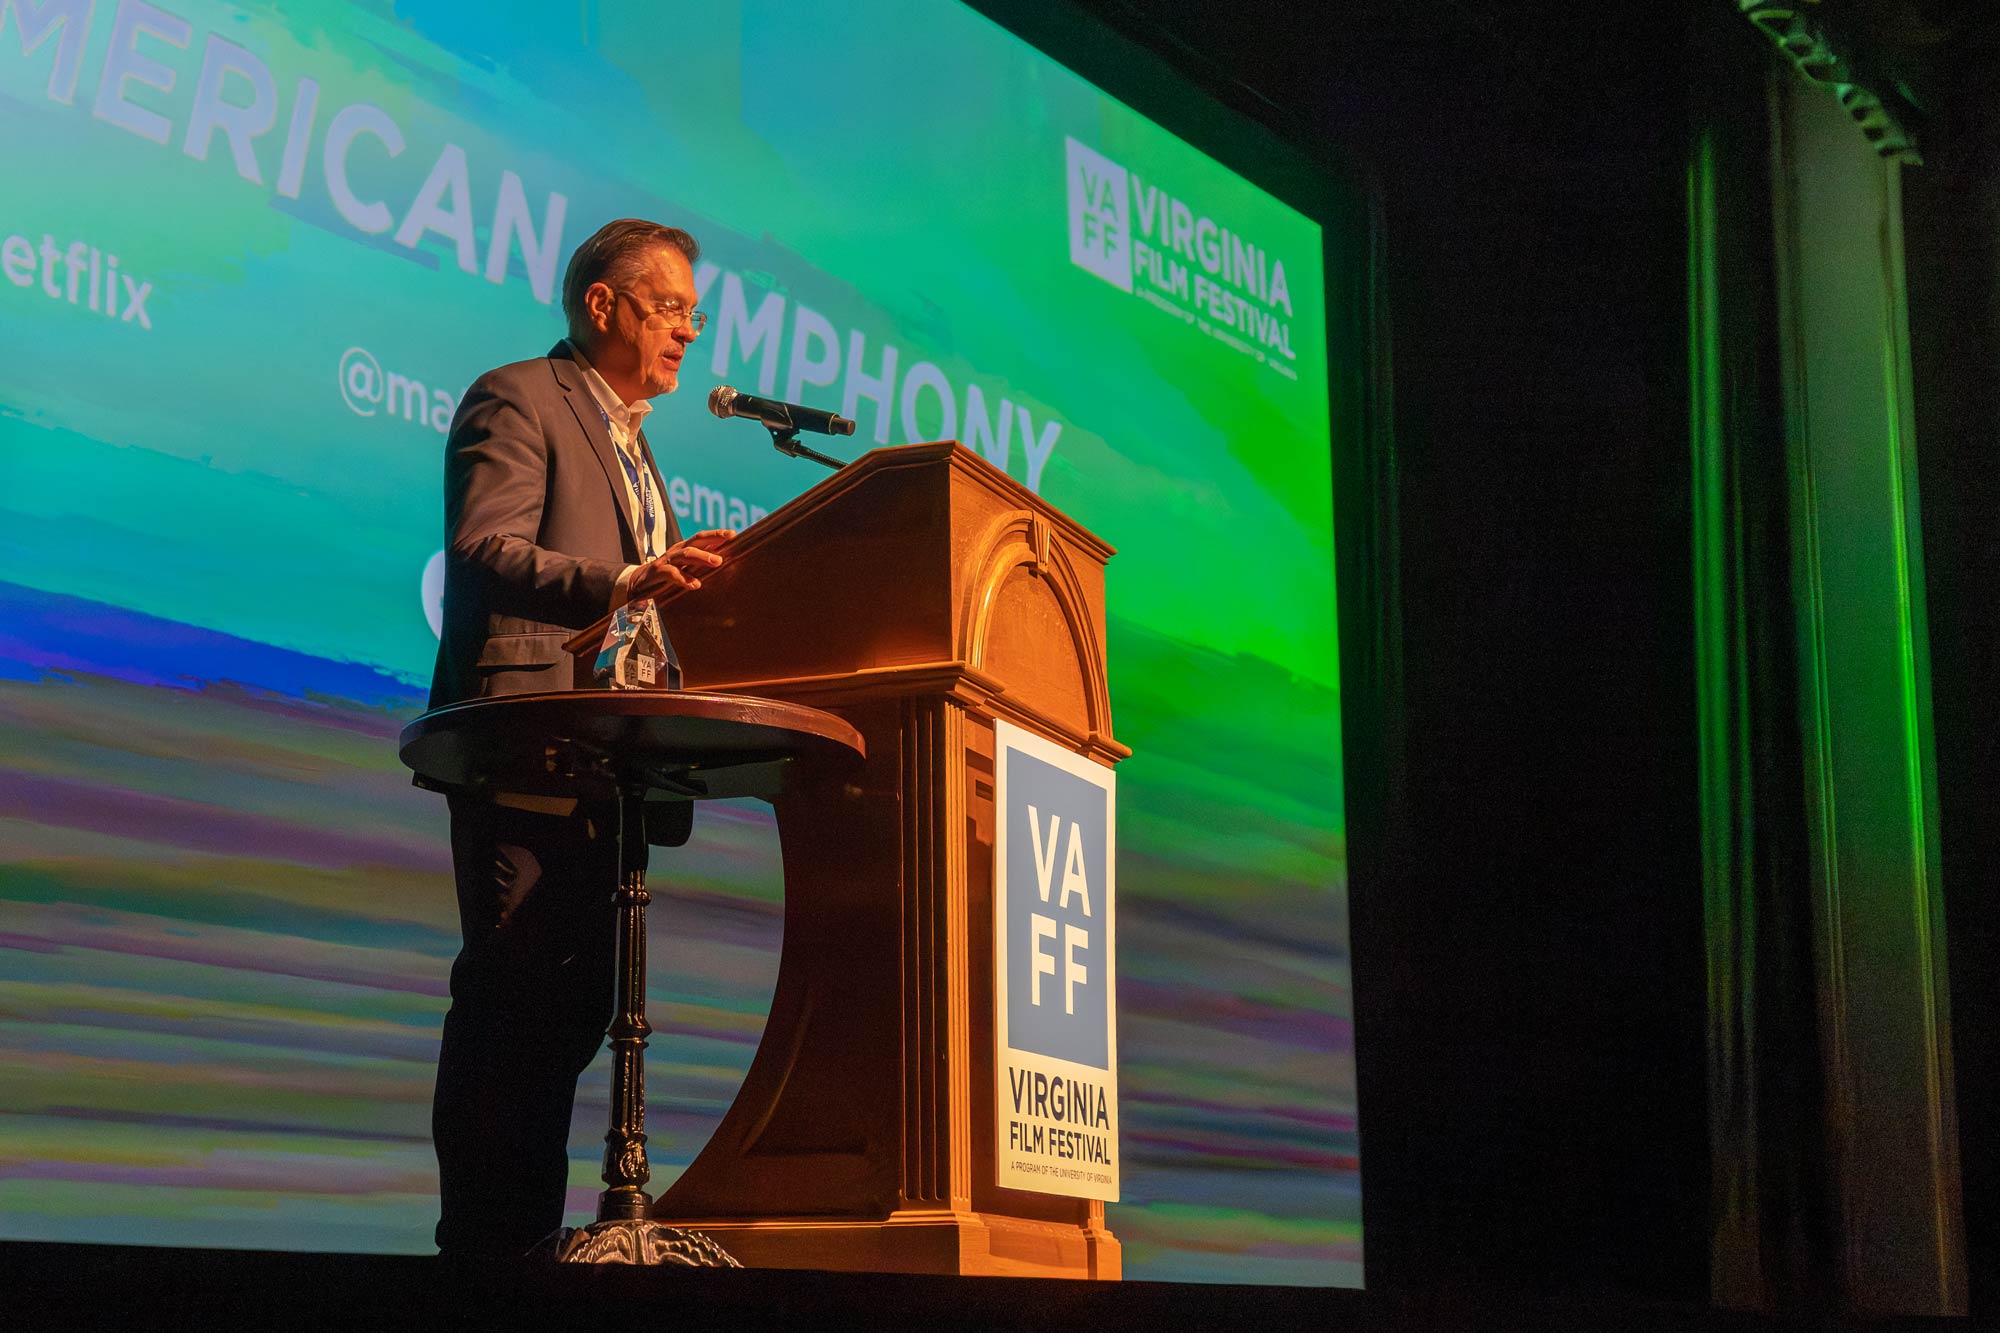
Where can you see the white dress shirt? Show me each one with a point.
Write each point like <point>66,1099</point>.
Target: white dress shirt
<point>624,420</point>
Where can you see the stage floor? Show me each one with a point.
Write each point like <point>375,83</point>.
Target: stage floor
<point>132,1287</point>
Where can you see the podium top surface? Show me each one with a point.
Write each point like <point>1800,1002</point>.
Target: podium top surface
<point>593,743</point>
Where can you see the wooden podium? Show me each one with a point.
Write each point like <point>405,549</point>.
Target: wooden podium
<point>919,593</point>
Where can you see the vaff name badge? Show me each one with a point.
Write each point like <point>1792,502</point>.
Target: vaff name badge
<point>1054,969</point>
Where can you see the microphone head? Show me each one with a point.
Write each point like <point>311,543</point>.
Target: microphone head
<point>722,401</point>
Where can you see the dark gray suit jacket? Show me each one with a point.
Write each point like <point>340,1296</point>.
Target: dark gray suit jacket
<point>536,529</point>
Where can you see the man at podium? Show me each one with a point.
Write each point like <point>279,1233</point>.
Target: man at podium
<point>555,513</point>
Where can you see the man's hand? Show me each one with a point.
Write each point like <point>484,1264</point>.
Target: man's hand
<point>680,565</point>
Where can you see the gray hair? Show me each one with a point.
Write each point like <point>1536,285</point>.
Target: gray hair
<point>611,255</point>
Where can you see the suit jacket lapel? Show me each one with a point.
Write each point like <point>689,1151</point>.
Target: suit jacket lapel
<point>590,420</point>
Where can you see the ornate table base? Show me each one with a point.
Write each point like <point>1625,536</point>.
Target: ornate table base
<point>626,1242</point>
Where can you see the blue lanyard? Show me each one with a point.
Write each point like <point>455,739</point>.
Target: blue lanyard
<point>640,481</point>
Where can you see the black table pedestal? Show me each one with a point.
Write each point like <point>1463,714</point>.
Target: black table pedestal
<point>622,744</point>
<point>622,1232</point>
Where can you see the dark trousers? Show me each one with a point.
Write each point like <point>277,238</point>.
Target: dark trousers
<point>531,994</point>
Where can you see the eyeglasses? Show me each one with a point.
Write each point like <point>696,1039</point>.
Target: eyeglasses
<point>670,313</point>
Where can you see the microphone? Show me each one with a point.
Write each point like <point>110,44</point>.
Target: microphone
<point>725,402</point>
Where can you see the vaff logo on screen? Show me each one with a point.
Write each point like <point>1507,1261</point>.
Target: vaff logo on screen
<point>1098,206</point>
<point>1175,256</point>
<point>1055,975</point>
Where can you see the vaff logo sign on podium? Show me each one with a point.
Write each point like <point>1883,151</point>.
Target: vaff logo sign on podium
<point>1054,975</point>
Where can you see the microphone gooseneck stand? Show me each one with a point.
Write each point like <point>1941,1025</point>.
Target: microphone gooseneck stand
<point>786,440</point>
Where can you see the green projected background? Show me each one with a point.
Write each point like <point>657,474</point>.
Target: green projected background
<point>251,254</point>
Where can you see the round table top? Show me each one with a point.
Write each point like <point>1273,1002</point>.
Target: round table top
<point>592,743</point>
